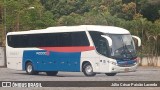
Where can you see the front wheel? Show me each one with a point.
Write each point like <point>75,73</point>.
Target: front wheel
<point>30,69</point>
<point>110,74</point>
<point>52,73</point>
<point>88,70</point>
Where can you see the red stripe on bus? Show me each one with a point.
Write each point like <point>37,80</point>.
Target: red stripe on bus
<point>69,49</point>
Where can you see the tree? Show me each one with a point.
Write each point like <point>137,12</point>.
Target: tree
<point>150,9</point>
<point>26,15</point>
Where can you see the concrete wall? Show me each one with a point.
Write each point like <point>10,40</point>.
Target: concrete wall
<point>150,61</point>
<point>2,59</point>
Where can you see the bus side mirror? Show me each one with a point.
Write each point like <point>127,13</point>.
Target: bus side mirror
<point>108,39</point>
<point>138,39</point>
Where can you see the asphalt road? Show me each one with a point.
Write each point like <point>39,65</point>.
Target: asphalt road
<point>142,74</point>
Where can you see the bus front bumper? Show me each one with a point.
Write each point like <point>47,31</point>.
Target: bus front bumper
<point>119,69</point>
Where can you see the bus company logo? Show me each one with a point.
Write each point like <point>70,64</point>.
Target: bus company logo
<point>42,53</point>
<point>6,84</point>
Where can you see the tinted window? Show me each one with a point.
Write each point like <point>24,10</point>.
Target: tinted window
<point>16,41</point>
<point>100,43</point>
<point>49,40</point>
<point>79,39</point>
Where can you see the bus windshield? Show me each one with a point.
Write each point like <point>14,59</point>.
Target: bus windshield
<point>122,46</point>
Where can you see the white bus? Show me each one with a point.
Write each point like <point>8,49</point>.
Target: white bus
<point>90,49</point>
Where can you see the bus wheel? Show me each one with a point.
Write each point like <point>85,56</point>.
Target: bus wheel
<point>52,73</point>
<point>30,69</point>
<point>88,70</point>
<point>110,74</point>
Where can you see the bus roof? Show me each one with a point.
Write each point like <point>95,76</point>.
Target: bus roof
<point>99,28</point>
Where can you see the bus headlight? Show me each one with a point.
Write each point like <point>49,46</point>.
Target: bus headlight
<point>114,63</point>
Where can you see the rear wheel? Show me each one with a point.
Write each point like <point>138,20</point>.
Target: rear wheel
<point>88,70</point>
<point>52,73</point>
<point>30,69</point>
<point>110,74</point>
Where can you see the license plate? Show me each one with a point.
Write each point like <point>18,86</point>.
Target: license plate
<point>126,69</point>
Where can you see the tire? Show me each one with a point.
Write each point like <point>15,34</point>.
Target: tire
<point>52,73</point>
<point>88,70</point>
<point>110,74</point>
<point>30,69</point>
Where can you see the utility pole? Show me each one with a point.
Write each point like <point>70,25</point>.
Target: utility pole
<point>5,30</point>
<point>5,18</point>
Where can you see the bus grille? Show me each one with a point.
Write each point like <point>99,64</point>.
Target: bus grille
<point>126,65</point>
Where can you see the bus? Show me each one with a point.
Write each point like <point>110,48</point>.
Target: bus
<point>91,49</point>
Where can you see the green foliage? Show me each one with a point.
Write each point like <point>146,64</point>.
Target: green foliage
<point>27,14</point>
<point>150,9</point>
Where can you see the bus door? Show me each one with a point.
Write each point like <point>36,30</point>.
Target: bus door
<point>103,49</point>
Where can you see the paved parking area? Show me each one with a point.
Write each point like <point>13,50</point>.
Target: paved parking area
<point>142,74</point>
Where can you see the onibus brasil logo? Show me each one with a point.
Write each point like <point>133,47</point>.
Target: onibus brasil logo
<point>21,84</point>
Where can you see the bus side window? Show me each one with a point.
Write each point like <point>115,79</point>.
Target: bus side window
<point>79,39</point>
<point>9,41</point>
<point>17,41</point>
<point>65,39</point>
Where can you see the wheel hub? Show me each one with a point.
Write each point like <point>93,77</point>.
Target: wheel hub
<point>89,69</point>
<point>29,68</point>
